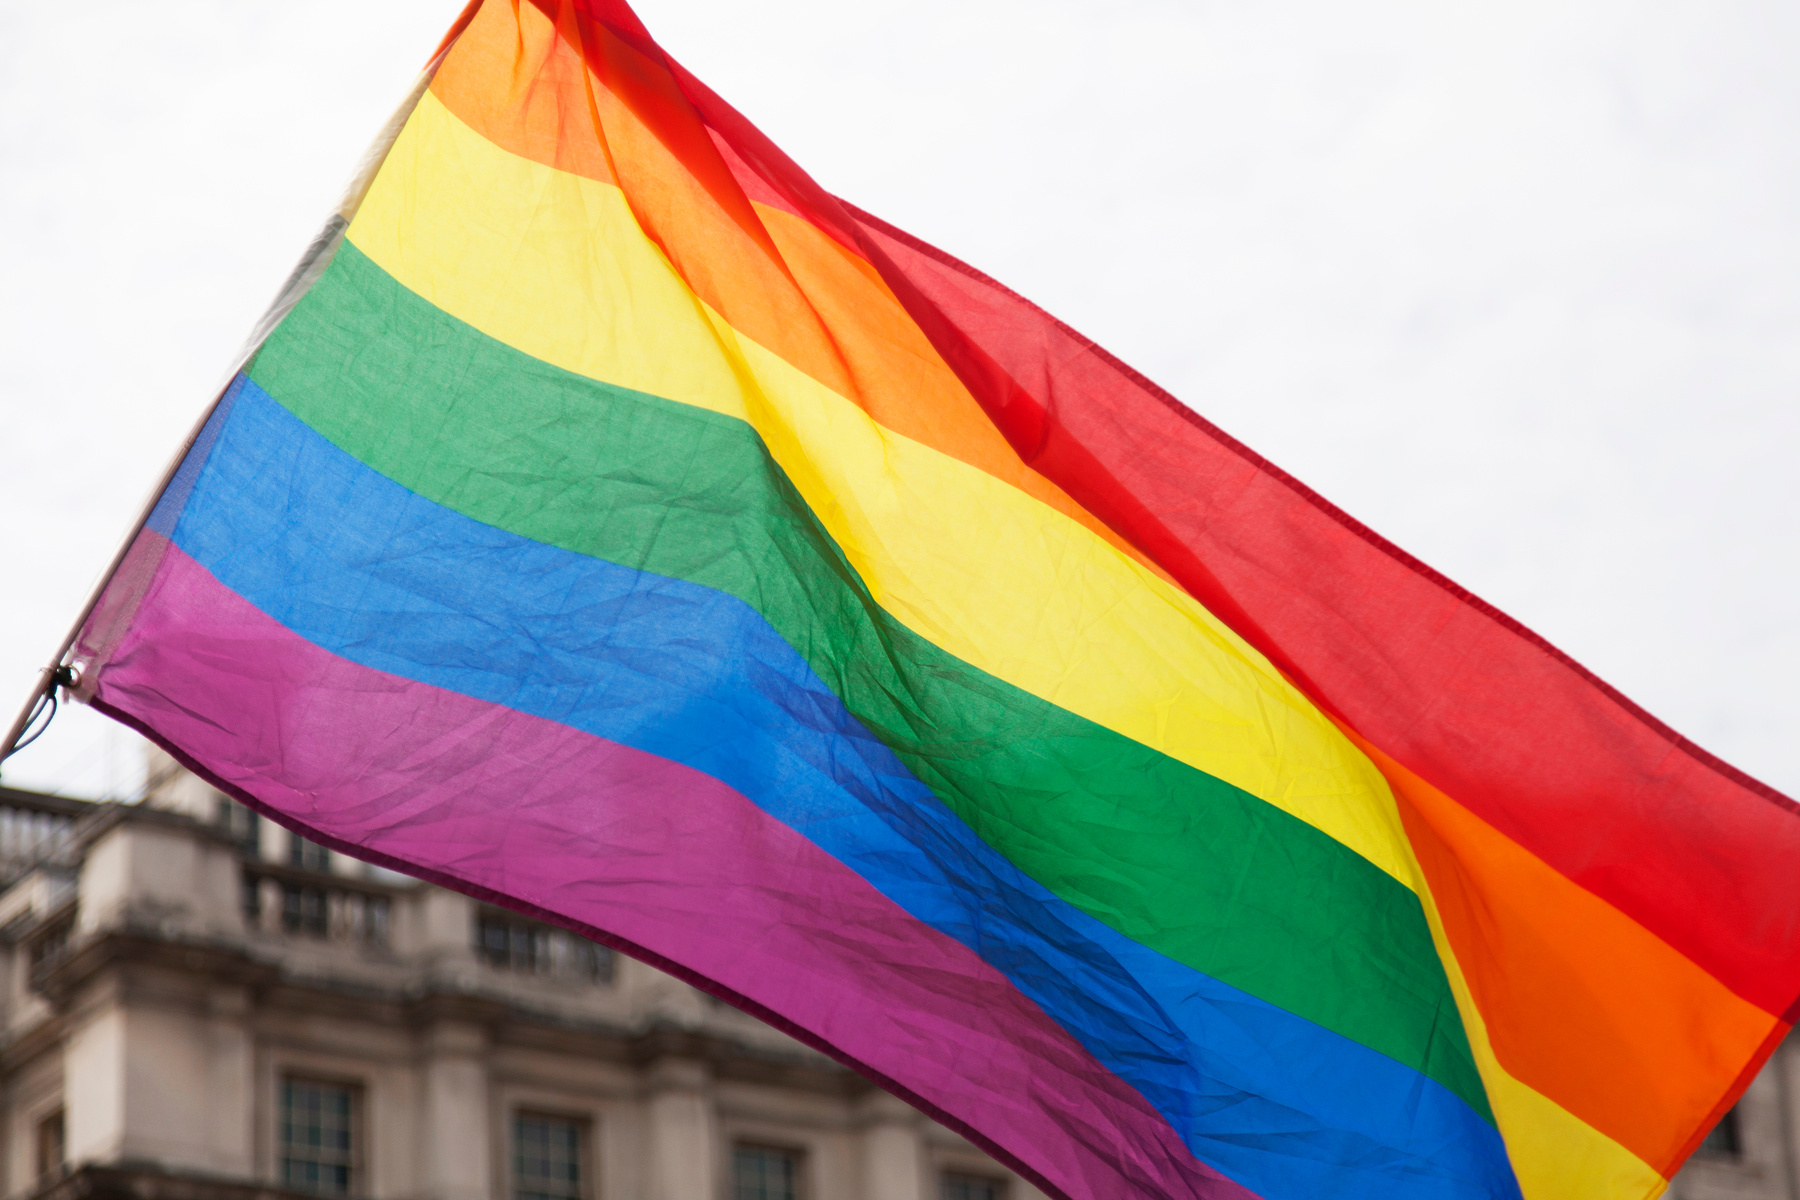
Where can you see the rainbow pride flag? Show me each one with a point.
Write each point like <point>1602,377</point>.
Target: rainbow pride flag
<point>623,529</point>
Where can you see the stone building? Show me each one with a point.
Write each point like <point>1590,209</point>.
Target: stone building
<point>195,1005</point>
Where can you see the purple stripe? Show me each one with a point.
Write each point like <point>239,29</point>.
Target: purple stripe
<point>663,861</point>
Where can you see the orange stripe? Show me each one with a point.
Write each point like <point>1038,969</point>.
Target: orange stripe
<point>1745,1078</point>
<point>1591,1010</point>
<point>520,86</point>
<point>776,278</point>
<point>1582,1003</point>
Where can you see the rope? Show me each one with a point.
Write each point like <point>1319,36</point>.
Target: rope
<point>63,676</point>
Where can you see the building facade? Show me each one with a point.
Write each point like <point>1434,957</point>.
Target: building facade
<point>196,1005</point>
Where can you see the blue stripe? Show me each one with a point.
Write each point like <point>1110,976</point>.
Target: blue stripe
<point>174,498</point>
<point>383,577</point>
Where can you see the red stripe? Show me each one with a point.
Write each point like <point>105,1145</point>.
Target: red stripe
<point>1462,695</point>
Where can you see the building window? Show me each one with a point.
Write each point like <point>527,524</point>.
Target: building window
<point>49,945</point>
<point>52,1152</point>
<point>764,1173</point>
<point>303,910</point>
<point>956,1185</point>
<point>318,1136</point>
<point>242,826</point>
<point>514,944</point>
<point>1725,1140</point>
<point>546,1158</point>
<point>307,855</point>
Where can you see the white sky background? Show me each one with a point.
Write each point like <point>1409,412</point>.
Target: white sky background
<point>1518,285</point>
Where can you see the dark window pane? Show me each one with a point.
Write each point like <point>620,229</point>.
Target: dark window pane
<point>546,1158</point>
<point>50,1148</point>
<point>764,1173</point>
<point>310,855</point>
<point>303,909</point>
<point>954,1185</point>
<point>317,1129</point>
<point>241,825</point>
<point>1724,1141</point>
<point>517,944</point>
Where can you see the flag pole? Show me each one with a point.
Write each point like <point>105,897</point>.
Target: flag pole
<point>50,676</point>
<point>312,264</point>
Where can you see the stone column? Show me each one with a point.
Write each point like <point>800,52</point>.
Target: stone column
<point>230,1082</point>
<point>94,1086</point>
<point>457,1143</point>
<point>165,1080</point>
<point>893,1150</point>
<point>139,1085</point>
<point>681,1146</point>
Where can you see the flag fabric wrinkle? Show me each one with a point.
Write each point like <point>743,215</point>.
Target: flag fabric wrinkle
<point>623,529</point>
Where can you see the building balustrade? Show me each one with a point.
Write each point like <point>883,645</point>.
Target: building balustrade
<point>508,942</point>
<point>280,899</point>
<point>34,830</point>
<point>48,945</point>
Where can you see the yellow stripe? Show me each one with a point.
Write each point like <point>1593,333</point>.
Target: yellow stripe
<point>1555,1154</point>
<point>554,265</point>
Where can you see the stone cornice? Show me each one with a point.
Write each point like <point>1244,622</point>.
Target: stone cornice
<point>149,1181</point>
<point>99,819</point>
<point>112,966</point>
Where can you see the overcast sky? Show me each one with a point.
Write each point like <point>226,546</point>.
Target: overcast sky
<point>1518,285</point>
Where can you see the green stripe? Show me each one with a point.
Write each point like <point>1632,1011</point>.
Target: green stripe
<point>1171,857</point>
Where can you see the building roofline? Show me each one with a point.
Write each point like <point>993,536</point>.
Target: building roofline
<point>46,802</point>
